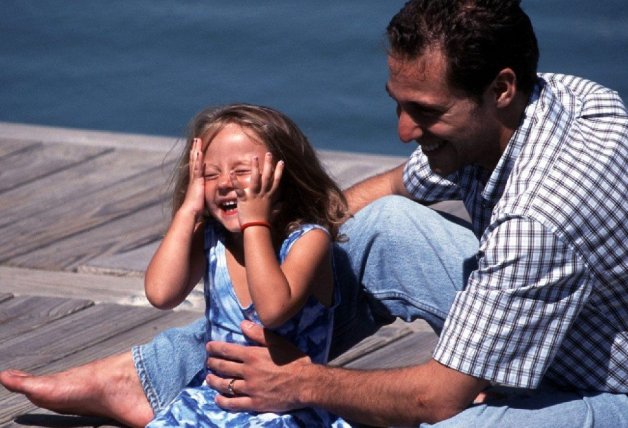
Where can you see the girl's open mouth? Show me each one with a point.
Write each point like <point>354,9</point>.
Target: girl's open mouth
<point>229,207</point>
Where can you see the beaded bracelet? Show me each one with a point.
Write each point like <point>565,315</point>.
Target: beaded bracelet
<point>254,223</point>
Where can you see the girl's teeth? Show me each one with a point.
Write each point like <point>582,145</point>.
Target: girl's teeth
<point>228,206</point>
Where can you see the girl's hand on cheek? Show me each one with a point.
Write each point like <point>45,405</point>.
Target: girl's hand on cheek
<point>195,195</point>
<point>255,200</point>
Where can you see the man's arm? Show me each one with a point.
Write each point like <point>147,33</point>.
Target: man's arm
<point>277,377</point>
<point>366,191</point>
<point>428,392</point>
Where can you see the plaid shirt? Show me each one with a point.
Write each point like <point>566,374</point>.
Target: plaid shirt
<point>550,296</point>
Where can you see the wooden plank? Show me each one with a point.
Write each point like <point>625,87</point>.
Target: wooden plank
<point>24,231</point>
<point>46,418</point>
<point>75,332</point>
<point>13,405</point>
<point>88,137</point>
<point>123,341</point>
<point>8,146</point>
<point>349,168</point>
<point>116,236</point>
<point>33,200</point>
<point>81,183</point>
<point>132,262</point>
<point>412,349</point>
<point>127,290</point>
<point>99,288</point>
<point>26,313</point>
<point>384,336</point>
<point>39,162</point>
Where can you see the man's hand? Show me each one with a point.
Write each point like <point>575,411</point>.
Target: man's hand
<point>263,374</point>
<point>277,377</point>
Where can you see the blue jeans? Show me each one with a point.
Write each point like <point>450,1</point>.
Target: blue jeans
<point>546,406</point>
<point>402,260</point>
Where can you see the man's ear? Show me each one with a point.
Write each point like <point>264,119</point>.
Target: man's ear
<point>504,87</point>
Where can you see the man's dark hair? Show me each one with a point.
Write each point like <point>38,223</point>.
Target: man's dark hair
<point>478,37</point>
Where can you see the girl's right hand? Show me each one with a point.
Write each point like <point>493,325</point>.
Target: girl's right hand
<point>194,201</point>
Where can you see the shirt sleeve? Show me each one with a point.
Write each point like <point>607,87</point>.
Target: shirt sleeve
<point>510,321</point>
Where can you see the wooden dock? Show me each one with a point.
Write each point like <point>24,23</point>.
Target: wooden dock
<point>81,213</point>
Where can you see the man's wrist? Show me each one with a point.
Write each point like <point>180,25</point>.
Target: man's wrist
<point>308,382</point>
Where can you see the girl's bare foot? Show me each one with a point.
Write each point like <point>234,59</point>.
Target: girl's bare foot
<point>108,387</point>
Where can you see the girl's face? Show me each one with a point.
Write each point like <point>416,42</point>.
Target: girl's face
<point>230,150</point>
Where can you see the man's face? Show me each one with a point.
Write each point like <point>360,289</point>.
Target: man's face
<point>452,129</point>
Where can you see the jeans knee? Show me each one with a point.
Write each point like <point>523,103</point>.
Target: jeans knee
<point>391,216</point>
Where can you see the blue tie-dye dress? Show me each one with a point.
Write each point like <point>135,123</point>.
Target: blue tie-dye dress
<point>310,330</point>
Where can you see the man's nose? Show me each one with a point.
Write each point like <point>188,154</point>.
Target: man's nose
<point>409,130</point>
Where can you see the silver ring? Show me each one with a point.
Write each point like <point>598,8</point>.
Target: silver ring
<point>230,388</point>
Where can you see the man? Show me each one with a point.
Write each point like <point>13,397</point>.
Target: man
<point>539,162</point>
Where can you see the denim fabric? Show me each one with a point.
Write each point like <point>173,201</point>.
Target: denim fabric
<point>402,260</point>
<point>170,362</point>
<point>545,407</point>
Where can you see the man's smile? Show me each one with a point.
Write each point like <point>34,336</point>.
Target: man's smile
<point>428,148</point>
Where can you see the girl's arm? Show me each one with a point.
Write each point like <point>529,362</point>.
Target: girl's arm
<point>179,262</point>
<point>278,292</point>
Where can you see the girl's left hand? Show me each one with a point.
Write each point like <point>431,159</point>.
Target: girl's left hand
<point>255,201</point>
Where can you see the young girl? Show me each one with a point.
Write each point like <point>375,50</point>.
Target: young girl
<point>254,213</point>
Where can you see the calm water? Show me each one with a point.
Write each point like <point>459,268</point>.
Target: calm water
<point>147,66</point>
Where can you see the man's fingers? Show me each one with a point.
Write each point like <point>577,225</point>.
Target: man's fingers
<point>244,403</point>
<point>258,334</point>
<point>224,368</point>
<point>254,331</point>
<point>280,350</point>
<point>227,351</point>
<point>223,384</point>
<point>237,403</point>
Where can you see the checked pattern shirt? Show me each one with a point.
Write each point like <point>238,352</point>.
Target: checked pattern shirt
<point>549,299</point>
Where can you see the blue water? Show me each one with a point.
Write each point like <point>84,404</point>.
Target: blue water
<point>147,66</point>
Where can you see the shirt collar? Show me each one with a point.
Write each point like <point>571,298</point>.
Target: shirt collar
<point>497,181</point>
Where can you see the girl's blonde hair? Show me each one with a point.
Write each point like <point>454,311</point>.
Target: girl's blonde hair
<point>307,194</point>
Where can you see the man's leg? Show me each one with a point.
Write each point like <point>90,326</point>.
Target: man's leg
<point>402,260</point>
<point>126,387</point>
<point>547,407</point>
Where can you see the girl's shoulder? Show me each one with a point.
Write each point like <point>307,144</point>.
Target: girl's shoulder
<point>297,233</point>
